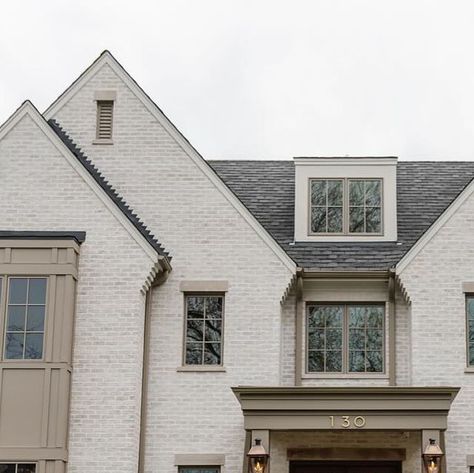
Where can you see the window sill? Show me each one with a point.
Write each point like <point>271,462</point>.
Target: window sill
<point>201,369</point>
<point>102,142</point>
<point>345,376</point>
<point>469,369</point>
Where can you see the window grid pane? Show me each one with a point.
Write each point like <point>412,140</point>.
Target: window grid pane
<point>365,205</point>
<point>26,311</point>
<point>198,469</point>
<point>17,467</point>
<point>346,338</point>
<point>203,330</point>
<point>326,205</point>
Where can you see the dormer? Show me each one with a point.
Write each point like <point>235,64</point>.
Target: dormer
<point>342,199</point>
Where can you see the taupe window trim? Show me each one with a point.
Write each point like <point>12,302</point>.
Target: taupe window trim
<point>345,230</point>
<point>345,347</point>
<point>202,365</point>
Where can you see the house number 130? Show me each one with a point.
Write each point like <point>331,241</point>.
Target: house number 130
<point>347,421</point>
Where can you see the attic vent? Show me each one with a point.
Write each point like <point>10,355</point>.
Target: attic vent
<point>105,110</point>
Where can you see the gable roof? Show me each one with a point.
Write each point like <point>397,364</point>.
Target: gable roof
<point>106,58</point>
<point>425,190</point>
<point>93,179</point>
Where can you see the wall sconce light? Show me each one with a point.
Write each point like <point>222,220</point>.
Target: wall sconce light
<point>432,457</point>
<point>258,458</point>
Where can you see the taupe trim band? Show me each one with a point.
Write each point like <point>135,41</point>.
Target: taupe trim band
<point>199,459</point>
<point>27,454</point>
<point>204,286</point>
<point>38,269</point>
<point>468,287</point>
<point>105,95</point>
<point>398,454</point>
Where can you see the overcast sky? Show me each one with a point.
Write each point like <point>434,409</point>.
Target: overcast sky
<point>265,79</point>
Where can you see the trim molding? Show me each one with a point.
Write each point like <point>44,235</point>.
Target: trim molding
<point>396,454</point>
<point>204,286</point>
<point>199,459</point>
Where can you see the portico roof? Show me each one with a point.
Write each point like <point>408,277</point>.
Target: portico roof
<point>347,408</point>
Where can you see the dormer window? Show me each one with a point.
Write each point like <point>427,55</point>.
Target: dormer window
<point>345,199</point>
<point>346,206</point>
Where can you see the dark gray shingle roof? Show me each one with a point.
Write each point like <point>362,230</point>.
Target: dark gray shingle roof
<point>109,190</point>
<point>267,189</point>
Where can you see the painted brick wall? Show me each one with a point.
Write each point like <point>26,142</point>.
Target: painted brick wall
<point>189,412</point>
<point>433,281</point>
<point>39,190</point>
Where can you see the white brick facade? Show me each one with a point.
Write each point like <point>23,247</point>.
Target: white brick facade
<point>209,238</point>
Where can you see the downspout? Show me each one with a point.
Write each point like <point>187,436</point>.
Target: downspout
<point>299,319</point>
<point>145,364</point>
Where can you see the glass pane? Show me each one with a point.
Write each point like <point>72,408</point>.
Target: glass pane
<point>17,291</point>
<point>375,316</point>
<point>194,353</point>
<point>356,220</point>
<point>333,361</point>
<point>471,331</point>
<point>356,361</point>
<point>356,193</point>
<point>35,319</point>
<point>318,220</point>
<point>334,316</point>
<point>194,332</point>
<point>373,193</point>
<point>470,307</point>
<point>316,362</point>
<point>356,339</point>
<point>14,346</point>
<point>318,192</point>
<point>213,330</point>
<point>212,353</point>
<point>334,193</point>
<point>334,339</point>
<point>7,468</point>
<point>374,339</point>
<point>471,354</point>
<point>374,362</point>
<point>197,469</point>
<point>357,317</point>
<point>16,318</point>
<point>373,220</point>
<point>317,316</point>
<point>214,307</point>
<point>335,219</point>
<point>34,346</point>
<point>195,307</point>
<point>26,468</point>
<point>316,339</point>
<point>37,291</point>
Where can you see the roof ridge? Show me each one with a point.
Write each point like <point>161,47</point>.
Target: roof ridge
<point>108,189</point>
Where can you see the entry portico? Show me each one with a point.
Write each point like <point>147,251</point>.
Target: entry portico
<point>345,423</point>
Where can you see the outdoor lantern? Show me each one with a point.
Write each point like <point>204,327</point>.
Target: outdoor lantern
<point>432,457</point>
<point>258,458</point>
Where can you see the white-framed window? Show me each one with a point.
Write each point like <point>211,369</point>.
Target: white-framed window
<point>199,469</point>
<point>204,324</point>
<point>345,338</point>
<point>340,206</point>
<point>17,468</point>
<point>25,309</point>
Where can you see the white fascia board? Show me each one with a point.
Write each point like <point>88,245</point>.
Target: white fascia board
<point>27,108</point>
<point>435,228</point>
<point>107,58</point>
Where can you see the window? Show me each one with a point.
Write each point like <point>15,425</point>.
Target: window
<point>346,206</point>
<point>17,468</point>
<point>345,338</point>
<point>104,119</point>
<point>204,322</point>
<point>470,329</point>
<point>26,308</point>
<point>198,469</point>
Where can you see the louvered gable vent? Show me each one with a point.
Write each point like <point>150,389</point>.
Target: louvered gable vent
<point>105,110</point>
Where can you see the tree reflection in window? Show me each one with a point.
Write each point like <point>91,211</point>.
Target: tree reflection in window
<point>204,330</point>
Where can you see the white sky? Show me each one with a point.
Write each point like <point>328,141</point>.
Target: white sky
<point>265,79</point>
